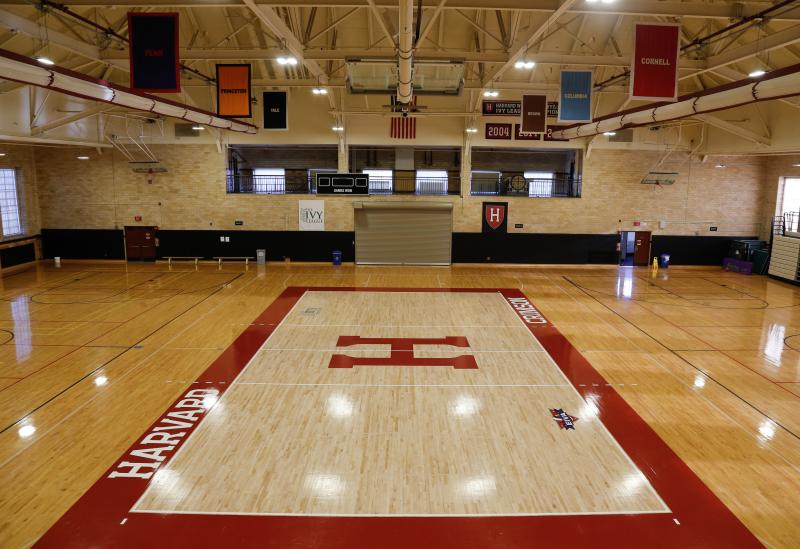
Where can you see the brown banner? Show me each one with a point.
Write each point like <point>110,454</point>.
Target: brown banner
<point>233,90</point>
<point>534,113</point>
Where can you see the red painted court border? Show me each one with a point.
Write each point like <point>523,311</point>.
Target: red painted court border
<point>101,517</point>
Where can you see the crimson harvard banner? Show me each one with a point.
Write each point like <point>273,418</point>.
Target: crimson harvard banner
<point>654,71</point>
<point>154,52</point>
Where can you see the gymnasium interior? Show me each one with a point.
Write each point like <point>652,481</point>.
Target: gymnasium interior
<point>399,273</point>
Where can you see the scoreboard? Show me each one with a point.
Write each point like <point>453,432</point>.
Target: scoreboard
<point>342,183</point>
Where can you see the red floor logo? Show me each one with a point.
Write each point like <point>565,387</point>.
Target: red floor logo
<point>402,352</point>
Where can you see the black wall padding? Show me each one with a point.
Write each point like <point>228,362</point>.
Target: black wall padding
<point>18,255</point>
<point>83,243</point>
<point>695,250</point>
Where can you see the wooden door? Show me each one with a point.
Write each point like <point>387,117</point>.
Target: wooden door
<point>641,248</point>
<point>140,243</point>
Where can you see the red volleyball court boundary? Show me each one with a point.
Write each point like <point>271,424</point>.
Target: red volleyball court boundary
<point>102,517</point>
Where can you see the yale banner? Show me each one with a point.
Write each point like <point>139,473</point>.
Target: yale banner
<point>153,52</point>
<point>576,96</point>
<point>654,70</point>
<point>534,113</point>
<point>233,90</point>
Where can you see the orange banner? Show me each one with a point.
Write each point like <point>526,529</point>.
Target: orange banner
<point>233,90</point>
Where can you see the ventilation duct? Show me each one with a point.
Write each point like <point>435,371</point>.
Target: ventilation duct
<point>27,71</point>
<point>775,85</point>
<point>405,52</point>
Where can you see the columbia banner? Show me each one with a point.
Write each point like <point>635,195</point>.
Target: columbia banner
<point>654,71</point>
<point>233,90</point>
<point>154,52</point>
<point>576,96</point>
<point>534,113</point>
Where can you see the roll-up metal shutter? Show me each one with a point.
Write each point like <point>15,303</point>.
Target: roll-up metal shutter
<point>394,233</point>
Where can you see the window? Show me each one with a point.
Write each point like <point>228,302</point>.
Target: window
<point>539,183</point>
<point>485,182</point>
<point>380,181</point>
<point>431,182</point>
<point>791,195</point>
<point>269,181</point>
<point>9,203</point>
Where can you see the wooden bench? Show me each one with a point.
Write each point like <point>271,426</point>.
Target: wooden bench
<point>235,257</point>
<point>182,257</point>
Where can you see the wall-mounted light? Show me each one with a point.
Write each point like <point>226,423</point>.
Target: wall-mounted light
<point>603,1</point>
<point>338,128</point>
<point>2,154</point>
<point>82,157</point>
<point>198,127</point>
<point>720,166</point>
<point>472,130</point>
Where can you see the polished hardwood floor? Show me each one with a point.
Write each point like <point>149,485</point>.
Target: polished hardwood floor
<point>93,353</point>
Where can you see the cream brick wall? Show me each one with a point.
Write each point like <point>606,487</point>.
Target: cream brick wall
<point>23,159</point>
<point>104,193</point>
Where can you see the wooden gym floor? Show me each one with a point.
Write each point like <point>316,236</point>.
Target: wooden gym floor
<point>303,405</point>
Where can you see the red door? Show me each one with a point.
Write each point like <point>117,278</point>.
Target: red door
<point>641,248</point>
<point>140,243</point>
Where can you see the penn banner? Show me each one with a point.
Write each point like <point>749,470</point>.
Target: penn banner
<point>495,217</point>
<point>153,52</point>
<point>576,96</point>
<point>233,90</point>
<point>534,113</point>
<point>654,70</point>
<point>276,114</point>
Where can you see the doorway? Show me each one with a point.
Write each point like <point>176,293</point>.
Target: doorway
<point>634,248</point>
<point>140,243</point>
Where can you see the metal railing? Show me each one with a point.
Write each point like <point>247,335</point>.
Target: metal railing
<point>279,184</point>
<point>557,187</point>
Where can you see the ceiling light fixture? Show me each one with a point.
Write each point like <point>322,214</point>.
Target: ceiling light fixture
<point>318,90</point>
<point>524,64</point>
<point>721,166</point>
<point>472,130</point>
<point>287,60</point>
<point>491,93</point>
<point>2,154</point>
<point>82,158</point>
<point>338,128</point>
<point>757,73</point>
<point>198,127</point>
<point>45,60</point>
<point>609,134</point>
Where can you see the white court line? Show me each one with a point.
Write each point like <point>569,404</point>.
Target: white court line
<point>401,384</point>
<point>342,350</point>
<point>213,408</point>
<point>401,515</point>
<point>600,422</point>
<point>506,326</point>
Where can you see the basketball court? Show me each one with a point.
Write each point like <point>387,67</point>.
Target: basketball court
<point>429,274</point>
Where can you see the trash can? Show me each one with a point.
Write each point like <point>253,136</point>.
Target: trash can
<point>261,256</point>
<point>337,257</point>
<point>663,261</point>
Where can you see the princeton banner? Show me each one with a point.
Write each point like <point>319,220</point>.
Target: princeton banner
<point>576,96</point>
<point>153,52</point>
<point>654,70</point>
<point>233,90</point>
<point>534,113</point>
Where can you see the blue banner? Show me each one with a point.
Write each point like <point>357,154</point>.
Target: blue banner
<point>576,96</point>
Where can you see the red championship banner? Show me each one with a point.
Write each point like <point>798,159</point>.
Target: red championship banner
<point>654,70</point>
<point>233,90</point>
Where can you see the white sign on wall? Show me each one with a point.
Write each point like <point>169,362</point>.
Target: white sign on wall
<point>312,215</point>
